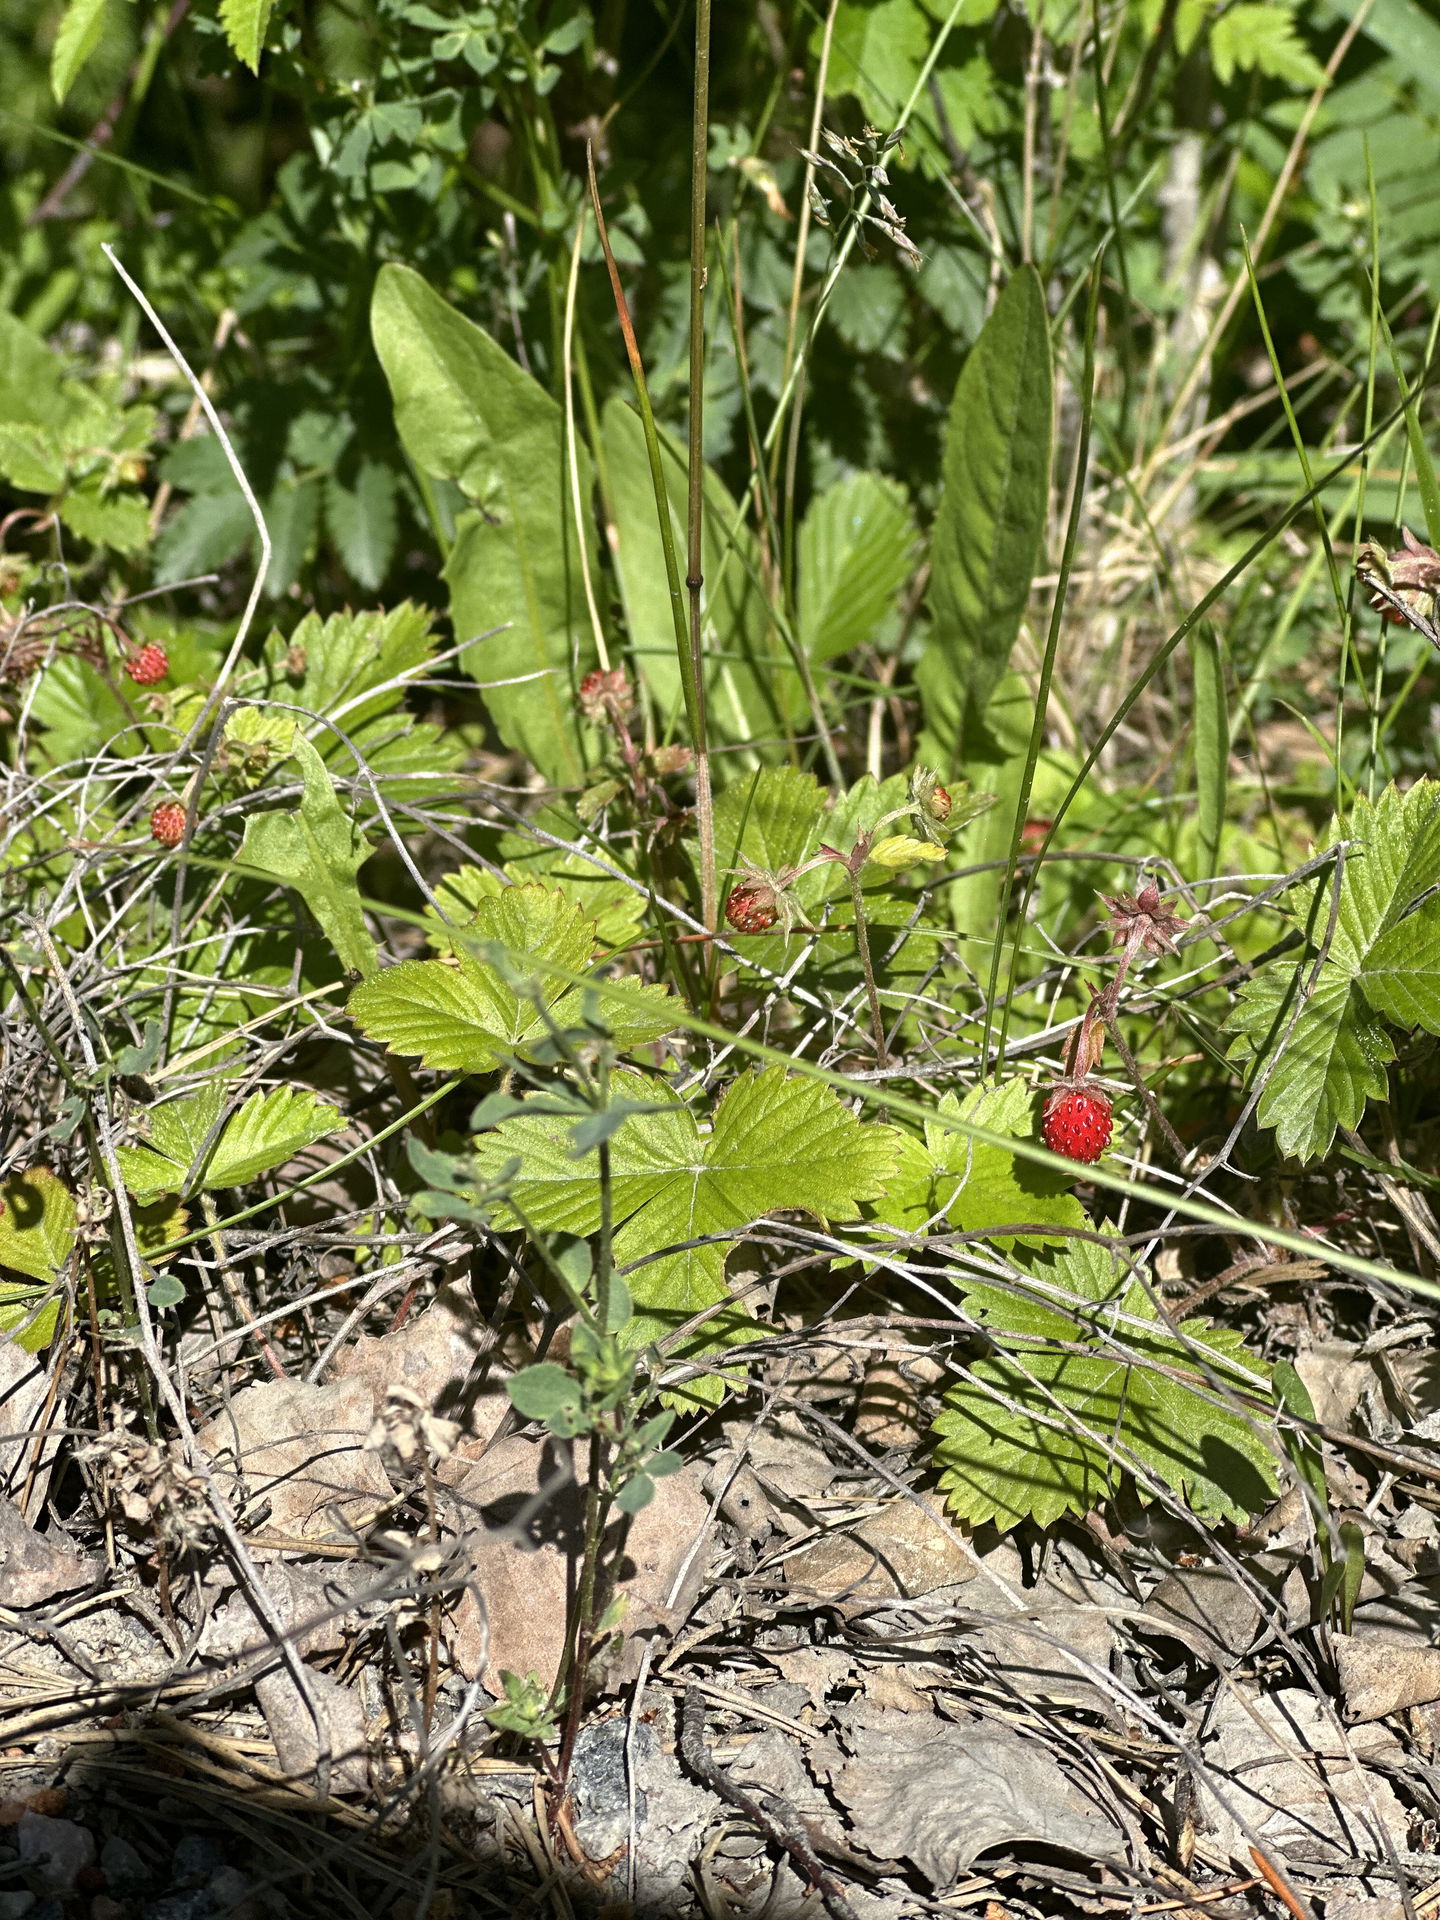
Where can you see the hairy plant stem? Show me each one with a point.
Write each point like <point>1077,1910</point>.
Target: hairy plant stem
<point>862,947</point>
<point>575,1670</point>
<point>694,578</point>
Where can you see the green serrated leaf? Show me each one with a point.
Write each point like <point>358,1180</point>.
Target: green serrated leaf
<point>1394,858</point>
<point>1034,1433</point>
<point>1401,976</point>
<point>119,520</point>
<point>990,529</point>
<point>466,412</point>
<point>37,1224</point>
<point>245,22</point>
<point>470,1017</point>
<point>1334,1061</point>
<point>1261,38</point>
<point>319,851</point>
<point>775,1144</point>
<point>263,1133</point>
<point>771,820</point>
<point>76,38</point>
<point>857,546</point>
<point>991,1188</point>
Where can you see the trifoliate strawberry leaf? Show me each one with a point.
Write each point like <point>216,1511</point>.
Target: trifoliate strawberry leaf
<point>1333,1061</point>
<point>615,908</point>
<point>1083,1381</point>
<point>188,1143</point>
<point>775,1145</point>
<point>976,1187</point>
<point>354,669</point>
<point>472,1014</point>
<point>1382,958</point>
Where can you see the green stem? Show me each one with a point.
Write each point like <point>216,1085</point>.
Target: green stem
<point>862,947</point>
<point>575,1670</point>
<point>699,163</point>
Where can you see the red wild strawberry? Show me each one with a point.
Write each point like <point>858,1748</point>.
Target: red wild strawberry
<point>940,804</point>
<point>167,823</point>
<point>150,664</point>
<point>752,907</point>
<point>1077,1122</point>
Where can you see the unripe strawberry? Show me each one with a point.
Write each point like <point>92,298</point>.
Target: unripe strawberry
<point>752,907</point>
<point>167,823</point>
<point>1077,1122</point>
<point>940,804</point>
<point>150,664</point>
<point>606,695</point>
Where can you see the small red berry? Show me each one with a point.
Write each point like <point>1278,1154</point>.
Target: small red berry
<point>1077,1122</point>
<point>752,907</point>
<point>150,664</point>
<point>940,804</point>
<point>167,823</point>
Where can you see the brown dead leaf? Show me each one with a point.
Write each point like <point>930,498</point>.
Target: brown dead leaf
<point>33,1568</point>
<point>301,1458</point>
<point>899,1550</point>
<point>942,1792</point>
<point>433,1356</point>
<point>1377,1677</point>
<point>525,1563</point>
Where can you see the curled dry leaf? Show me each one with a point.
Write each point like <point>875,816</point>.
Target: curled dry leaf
<point>984,1787</point>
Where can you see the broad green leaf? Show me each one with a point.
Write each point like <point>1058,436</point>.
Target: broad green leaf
<point>119,520</point>
<point>751,683</point>
<point>37,1238</point>
<point>1383,959</point>
<point>30,457</point>
<point>466,412</point>
<point>1401,979</point>
<point>990,528</point>
<point>37,1224</point>
<point>1395,858</point>
<point>775,1144</point>
<point>292,514</point>
<point>319,851</point>
<point>263,1133</point>
<point>877,51</point>
<point>76,38</point>
<point>32,386</point>
<point>617,910</point>
<point>1333,1062</point>
<point>1032,1432</point>
<point>771,819</point>
<point>857,546</point>
<point>468,1016</point>
<point>245,22</point>
<point>980,1187</point>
